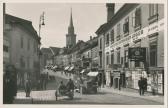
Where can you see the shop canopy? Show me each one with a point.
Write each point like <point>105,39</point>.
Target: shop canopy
<point>54,67</point>
<point>66,68</point>
<point>83,71</point>
<point>49,72</point>
<point>71,68</point>
<point>93,73</point>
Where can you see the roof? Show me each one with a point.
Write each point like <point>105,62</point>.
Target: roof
<point>78,46</point>
<point>55,50</point>
<point>46,50</point>
<point>27,25</point>
<point>89,44</point>
<point>124,10</point>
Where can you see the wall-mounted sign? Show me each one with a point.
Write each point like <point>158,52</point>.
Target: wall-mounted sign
<point>140,34</point>
<point>137,53</point>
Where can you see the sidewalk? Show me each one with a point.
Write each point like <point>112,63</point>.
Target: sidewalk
<point>134,93</point>
<point>47,95</point>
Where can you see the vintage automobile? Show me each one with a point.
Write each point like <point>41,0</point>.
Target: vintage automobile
<point>64,92</point>
<point>90,83</point>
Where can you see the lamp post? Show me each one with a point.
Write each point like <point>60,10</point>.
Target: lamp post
<point>41,23</point>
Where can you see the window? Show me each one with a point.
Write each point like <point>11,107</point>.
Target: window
<point>112,57</point>
<point>21,42</point>
<point>153,10</point>
<point>100,43</point>
<point>138,17</point>
<point>28,44</point>
<point>137,43</point>
<point>5,48</point>
<point>35,48</point>
<point>112,36</point>
<point>118,56</point>
<point>107,58</point>
<point>126,26</point>
<point>28,62</point>
<point>126,64</point>
<point>107,39</point>
<point>153,53</point>
<point>22,63</point>
<point>118,32</point>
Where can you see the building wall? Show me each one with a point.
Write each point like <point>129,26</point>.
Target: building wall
<point>144,33</point>
<point>30,57</point>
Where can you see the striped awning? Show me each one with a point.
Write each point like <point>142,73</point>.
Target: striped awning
<point>83,71</point>
<point>66,68</point>
<point>71,68</point>
<point>93,73</point>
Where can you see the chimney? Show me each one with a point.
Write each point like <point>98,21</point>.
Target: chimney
<point>90,37</point>
<point>110,10</point>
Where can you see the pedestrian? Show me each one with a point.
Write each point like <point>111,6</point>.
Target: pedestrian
<point>70,85</point>
<point>141,86</point>
<point>9,85</point>
<point>62,88</point>
<point>28,88</point>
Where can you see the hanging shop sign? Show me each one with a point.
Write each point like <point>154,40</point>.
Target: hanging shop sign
<point>140,34</point>
<point>137,53</point>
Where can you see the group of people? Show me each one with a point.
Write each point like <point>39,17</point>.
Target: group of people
<point>65,88</point>
<point>142,83</point>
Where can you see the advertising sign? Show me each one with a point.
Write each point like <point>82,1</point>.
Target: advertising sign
<point>137,53</point>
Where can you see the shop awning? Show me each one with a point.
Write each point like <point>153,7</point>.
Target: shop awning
<point>83,71</point>
<point>71,68</point>
<point>54,67</point>
<point>66,68</point>
<point>93,73</point>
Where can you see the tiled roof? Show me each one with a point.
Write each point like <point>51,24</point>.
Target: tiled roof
<point>27,25</point>
<point>117,16</point>
<point>55,50</point>
<point>46,50</point>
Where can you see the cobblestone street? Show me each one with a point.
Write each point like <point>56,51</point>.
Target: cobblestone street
<point>104,96</point>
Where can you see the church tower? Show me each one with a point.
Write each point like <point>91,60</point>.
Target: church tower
<point>71,36</point>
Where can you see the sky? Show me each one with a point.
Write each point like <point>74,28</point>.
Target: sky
<point>87,18</point>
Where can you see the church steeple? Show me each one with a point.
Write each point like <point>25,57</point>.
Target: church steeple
<point>71,20</point>
<point>71,27</point>
<point>71,36</point>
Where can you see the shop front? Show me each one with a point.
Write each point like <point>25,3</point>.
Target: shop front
<point>156,80</point>
<point>116,79</point>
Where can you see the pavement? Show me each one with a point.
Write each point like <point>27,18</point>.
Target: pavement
<point>134,93</point>
<point>123,91</point>
<point>105,95</point>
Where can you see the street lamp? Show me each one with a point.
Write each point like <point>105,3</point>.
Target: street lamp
<point>41,23</point>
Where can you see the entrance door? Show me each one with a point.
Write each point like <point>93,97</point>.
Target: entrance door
<point>111,81</point>
<point>116,82</point>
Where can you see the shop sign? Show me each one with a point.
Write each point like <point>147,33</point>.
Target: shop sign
<point>137,53</point>
<point>155,27</point>
<point>116,73</point>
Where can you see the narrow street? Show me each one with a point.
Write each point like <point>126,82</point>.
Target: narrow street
<point>103,96</point>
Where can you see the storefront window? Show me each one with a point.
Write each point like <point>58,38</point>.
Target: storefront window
<point>153,54</point>
<point>126,58</point>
